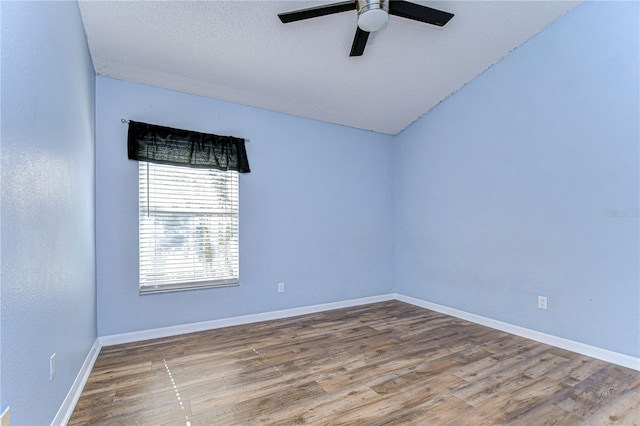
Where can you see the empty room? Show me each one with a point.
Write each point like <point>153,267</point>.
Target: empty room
<point>316,212</point>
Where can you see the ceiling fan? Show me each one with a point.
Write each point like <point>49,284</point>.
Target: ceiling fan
<point>372,16</point>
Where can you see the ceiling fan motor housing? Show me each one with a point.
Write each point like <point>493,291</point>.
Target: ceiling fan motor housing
<point>372,14</point>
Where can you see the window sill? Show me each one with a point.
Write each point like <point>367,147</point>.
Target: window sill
<point>166,288</point>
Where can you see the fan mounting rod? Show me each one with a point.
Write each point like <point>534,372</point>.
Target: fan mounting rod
<point>372,14</point>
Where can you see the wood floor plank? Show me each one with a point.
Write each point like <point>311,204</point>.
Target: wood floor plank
<point>597,390</point>
<point>405,399</point>
<point>321,407</point>
<point>387,363</point>
<point>625,409</point>
<point>248,411</point>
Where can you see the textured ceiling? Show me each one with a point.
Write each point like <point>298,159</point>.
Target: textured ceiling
<point>239,51</point>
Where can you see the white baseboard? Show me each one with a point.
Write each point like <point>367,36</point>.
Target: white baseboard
<point>570,345</point>
<point>581,348</point>
<point>70,401</point>
<point>155,333</point>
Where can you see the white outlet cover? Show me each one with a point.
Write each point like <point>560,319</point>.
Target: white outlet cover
<point>52,367</point>
<point>542,302</point>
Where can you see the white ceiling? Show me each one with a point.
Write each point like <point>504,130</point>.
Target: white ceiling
<point>239,51</point>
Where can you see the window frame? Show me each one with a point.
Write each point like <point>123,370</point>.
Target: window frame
<point>152,288</point>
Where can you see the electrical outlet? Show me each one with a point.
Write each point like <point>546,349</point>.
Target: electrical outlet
<point>52,367</point>
<point>542,302</point>
<point>4,417</point>
<point>280,287</point>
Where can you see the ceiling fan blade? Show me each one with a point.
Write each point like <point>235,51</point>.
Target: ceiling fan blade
<point>416,12</point>
<point>359,42</point>
<point>314,12</point>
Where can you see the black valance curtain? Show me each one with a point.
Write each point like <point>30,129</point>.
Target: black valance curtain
<point>165,145</point>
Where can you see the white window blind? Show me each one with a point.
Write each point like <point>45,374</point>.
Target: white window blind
<point>188,227</point>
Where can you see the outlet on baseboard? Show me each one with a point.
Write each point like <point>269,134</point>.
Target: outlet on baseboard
<point>542,302</point>
<point>52,367</point>
<point>280,287</point>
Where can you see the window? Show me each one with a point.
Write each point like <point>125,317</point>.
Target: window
<point>188,227</point>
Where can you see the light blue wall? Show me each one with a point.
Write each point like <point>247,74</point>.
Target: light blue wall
<point>505,191</point>
<point>315,211</point>
<point>47,230</point>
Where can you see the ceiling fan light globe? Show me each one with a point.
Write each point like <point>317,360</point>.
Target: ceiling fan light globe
<point>372,20</point>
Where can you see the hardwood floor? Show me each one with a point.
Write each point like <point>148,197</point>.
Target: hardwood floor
<point>378,364</point>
